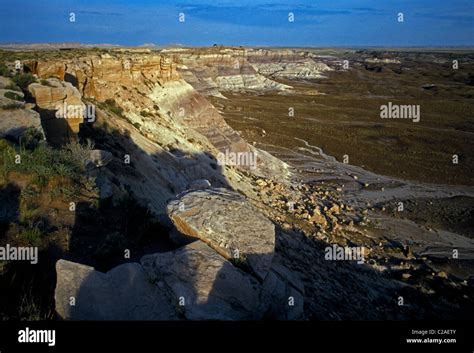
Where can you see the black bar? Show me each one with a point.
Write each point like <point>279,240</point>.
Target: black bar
<point>315,336</point>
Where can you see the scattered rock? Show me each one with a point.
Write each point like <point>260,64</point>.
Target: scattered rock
<point>318,218</point>
<point>442,274</point>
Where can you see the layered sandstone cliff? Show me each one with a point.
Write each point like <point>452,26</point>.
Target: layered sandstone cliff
<point>214,71</point>
<point>160,119</point>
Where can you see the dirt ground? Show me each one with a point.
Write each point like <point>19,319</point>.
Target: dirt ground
<point>341,114</point>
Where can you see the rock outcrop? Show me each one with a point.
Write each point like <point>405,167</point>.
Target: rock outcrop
<point>221,70</point>
<point>248,82</point>
<point>47,69</point>
<point>100,158</point>
<point>61,108</point>
<point>124,293</point>
<point>15,116</point>
<point>215,217</point>
<point>203,284</point>
<point>195,281</point>
<point>214,71</point>
<point>102,76</point>
<point>306,69</point>
<point>14,123</point>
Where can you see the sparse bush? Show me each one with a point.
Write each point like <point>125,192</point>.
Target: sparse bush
<point>4,71</point>
<point>136,125</point>
<point>22,80</point>
<point>29,192</point>
<point>29,310</point>
<point>44,162</point>
<point>31,235</point>
<point>31,138</point>
<point>46,83</point>
<point>112,106</point>
<point>145,114</point>
<point>81,153</point>
<point>14,96</point>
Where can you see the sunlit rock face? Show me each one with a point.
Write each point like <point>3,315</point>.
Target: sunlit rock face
<point>102,76</point>
<point>61,108</point>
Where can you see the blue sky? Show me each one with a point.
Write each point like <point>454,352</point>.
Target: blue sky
<point>247,22</point>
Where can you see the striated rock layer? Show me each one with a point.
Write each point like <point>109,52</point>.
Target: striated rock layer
<point>215,217</point>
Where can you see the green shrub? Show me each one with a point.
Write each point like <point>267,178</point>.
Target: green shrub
<point>136,125</point>
<point>46,83</point>
<point>145,114</point>
<point>80,153</point>
<point>31,235</point>
<point>44,162</point>
<point>31,138</point>
<point>4,71</point>
<point>112,106</point>
<point>14,96</point>
<point>22,80</point>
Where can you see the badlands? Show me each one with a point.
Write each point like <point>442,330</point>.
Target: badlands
<point>138,217</point>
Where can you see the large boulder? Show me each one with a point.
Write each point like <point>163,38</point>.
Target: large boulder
<point>204,285</point>
<point>199,184</point>
<point>229,224</point>
<point>124,293</point>
<point>14,123</point>
<point>193,282</point>
<point>61,108</point>
<point>53,93</point>
<point>9,98</point>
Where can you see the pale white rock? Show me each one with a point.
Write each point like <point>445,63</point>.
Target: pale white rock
<point>215,216</point>
<point>199,184</point>
<point>14,123</point>
<point>123,293</point>
<point>204,285</point>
